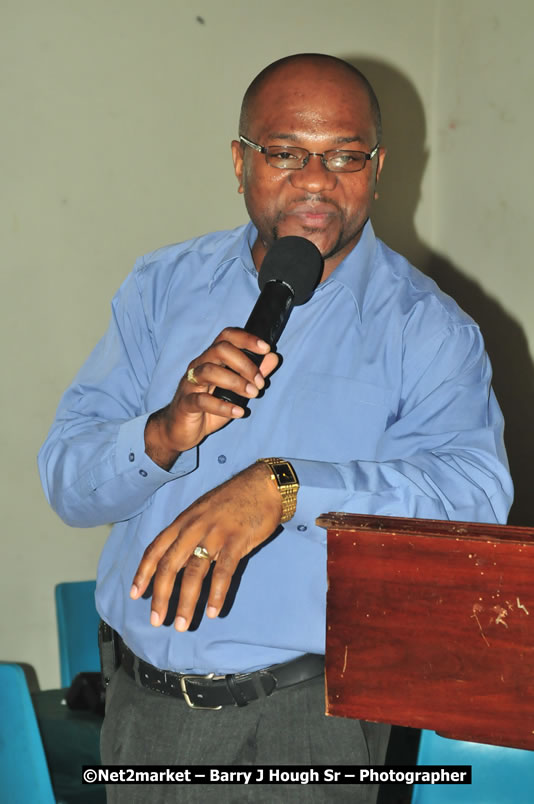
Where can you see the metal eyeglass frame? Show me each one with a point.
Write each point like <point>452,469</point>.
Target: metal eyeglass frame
<point>263,150</point>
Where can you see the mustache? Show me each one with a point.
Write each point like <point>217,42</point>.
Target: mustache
<point>315,200</point>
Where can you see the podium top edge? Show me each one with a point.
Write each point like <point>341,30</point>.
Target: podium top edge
<point>425,527</point>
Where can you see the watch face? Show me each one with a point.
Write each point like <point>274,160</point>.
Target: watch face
<point>284,475</point>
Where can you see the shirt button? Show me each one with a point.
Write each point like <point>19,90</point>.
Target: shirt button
<point>131,457</point>
<point>222,458</point>
<point>302,527</point>
<point>143,473</point>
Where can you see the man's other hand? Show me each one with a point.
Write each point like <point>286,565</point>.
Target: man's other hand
<point>228,522</point>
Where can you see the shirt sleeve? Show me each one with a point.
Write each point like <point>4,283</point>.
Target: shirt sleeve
<point>93,464</point>
<point>442,456</point>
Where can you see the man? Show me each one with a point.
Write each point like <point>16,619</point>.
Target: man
<point>382,405</point>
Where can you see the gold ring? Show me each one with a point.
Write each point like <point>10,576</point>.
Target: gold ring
<point>191,376</point>
<point>201,552</point>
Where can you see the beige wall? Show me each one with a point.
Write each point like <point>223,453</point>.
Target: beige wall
<point>107,107</point>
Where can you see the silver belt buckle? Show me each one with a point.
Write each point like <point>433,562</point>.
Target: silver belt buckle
<point>188,700</point>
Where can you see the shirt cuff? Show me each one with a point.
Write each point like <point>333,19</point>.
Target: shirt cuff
<point>131,458</point>
<point>322,489</point>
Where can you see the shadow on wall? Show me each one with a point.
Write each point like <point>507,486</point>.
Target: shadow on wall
<point>393,218</point>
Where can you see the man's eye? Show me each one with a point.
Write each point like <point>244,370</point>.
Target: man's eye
<point>285,155</point>
<point>345,159</point>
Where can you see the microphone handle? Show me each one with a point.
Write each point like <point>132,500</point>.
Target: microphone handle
<point>267,321</point>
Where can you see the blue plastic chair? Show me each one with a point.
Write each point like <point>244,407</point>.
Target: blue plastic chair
<point>24,775</point>
<point>499,776</point>
<point>77,624</point>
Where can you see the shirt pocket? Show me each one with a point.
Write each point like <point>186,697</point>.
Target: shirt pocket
<point>337,419</point>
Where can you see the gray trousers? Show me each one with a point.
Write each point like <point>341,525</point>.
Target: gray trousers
<point>288,728</point>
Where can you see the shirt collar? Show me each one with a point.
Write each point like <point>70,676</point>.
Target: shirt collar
<point>240,249</point>
<point>354,272</point>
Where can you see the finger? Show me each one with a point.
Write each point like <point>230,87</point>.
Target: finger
<point>269,363</point>
<point>147,566</point>
<point>195,571</point>
<point>205,403</point>
<point>242,339</point>
<point>225,355</point>
<point>223,572</point>
<point>211,375</point>
<point>168,568</point>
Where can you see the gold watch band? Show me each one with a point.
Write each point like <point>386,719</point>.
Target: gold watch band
<point>285,477</point>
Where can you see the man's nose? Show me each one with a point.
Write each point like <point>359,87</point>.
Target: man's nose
<point>313,177</point>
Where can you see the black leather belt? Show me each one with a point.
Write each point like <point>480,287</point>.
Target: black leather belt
<point>214,692</point>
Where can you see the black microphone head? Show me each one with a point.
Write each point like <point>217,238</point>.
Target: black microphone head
<point>295,261</point>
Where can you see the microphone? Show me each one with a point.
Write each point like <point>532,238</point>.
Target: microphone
<point>288,276</point>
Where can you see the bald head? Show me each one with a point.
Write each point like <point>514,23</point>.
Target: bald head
<point>314,62</point>
<point>309,106</point>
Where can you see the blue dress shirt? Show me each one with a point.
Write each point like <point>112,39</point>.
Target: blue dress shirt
<point>382,404</point>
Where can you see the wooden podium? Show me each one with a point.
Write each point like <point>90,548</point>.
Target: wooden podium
<point>430,624</point>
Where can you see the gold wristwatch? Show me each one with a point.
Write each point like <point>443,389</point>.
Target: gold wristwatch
<point>285,477</point>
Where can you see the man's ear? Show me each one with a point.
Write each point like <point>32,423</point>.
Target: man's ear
<point>380,161</point>
<point>237,156</point>
<point>379,164</point>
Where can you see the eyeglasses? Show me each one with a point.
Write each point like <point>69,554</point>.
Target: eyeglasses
<point>289,158</point>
